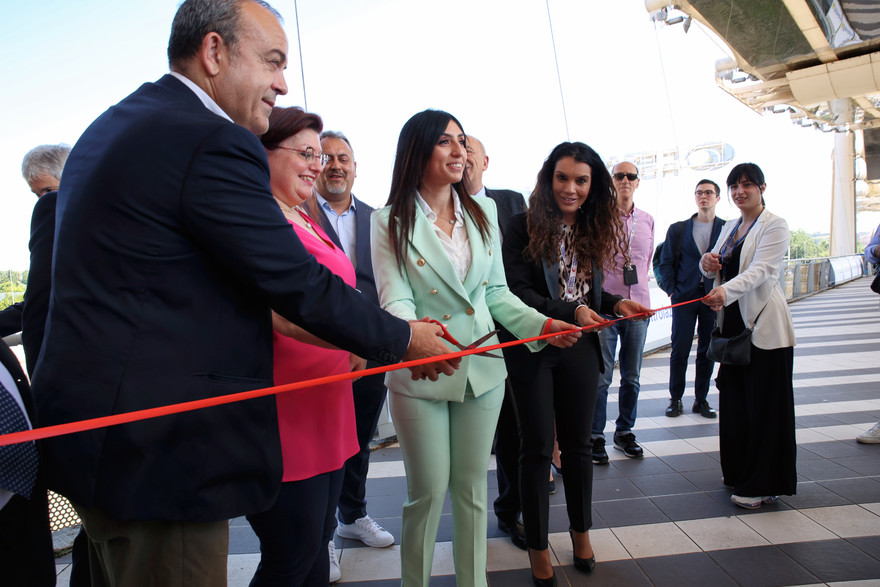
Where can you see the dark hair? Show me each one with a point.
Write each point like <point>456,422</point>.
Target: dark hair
<point>196,18</point>
<point>598,229</point>
<point>44,160</point>
<point>286,122</point>
<point>416,143</point>
<point>715,185</point>
<point>751,172</point>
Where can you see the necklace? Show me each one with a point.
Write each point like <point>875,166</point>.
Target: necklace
<point>449,220</point>
<point>294,212</point>
<point>304,216</point>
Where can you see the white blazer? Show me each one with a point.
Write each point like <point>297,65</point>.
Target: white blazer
<point>757,284</point>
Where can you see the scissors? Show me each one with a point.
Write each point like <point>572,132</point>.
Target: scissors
<point>448,337</point>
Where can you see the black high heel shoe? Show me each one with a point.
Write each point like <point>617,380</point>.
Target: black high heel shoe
<point>548,582</point>
<point>584,565</point>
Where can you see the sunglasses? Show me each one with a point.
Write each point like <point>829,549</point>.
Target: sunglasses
<point>629,176</point>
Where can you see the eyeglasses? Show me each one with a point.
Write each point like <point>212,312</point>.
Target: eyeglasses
<point>700,193</point>
<point>629,176</point>
<point>308,155</point>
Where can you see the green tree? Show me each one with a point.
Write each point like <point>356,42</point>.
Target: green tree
<point>805,246</point>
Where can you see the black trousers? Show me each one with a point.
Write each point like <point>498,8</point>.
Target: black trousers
<point>369,395</point>
<point>558,385</point>
<point>26,555</point>
<point>684,319</point>
<point>757,432</point>
<point>294,533</point>
<point>507,449</point>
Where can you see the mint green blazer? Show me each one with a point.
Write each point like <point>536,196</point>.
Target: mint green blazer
<point>429,286</point>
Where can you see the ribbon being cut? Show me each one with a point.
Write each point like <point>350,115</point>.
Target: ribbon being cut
<point>127,417</point>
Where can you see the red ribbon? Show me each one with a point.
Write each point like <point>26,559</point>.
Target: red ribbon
<point>127,417</point>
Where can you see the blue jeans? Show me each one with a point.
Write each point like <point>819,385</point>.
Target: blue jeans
<point>632,336</point>
<point>684,318</point>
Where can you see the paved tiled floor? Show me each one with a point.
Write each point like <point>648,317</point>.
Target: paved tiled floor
<point>667,519</point>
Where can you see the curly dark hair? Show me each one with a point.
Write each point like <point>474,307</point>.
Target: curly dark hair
<point>598,229</point>
<point>414,148</point>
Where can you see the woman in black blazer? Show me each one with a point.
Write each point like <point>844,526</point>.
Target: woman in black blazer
<point>553,255</point>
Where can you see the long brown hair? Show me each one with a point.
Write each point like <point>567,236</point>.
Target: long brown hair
<point>598,229</point>
<point>416,143</point>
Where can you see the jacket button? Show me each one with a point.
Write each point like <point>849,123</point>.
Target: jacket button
<point>490,252</point>
<point>485,283</point>
<point>469,311</point>
<point>433,292</point>
<point>420,262</point>
<point>446,316</point>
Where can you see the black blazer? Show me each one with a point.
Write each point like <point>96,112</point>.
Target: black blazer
<point>366,283</point>
<point>508,203</point>
<point>537,284</point>
<point>169,253</point>
<point>36,298</point>
<point>686,279</point>
<point>10,319</point>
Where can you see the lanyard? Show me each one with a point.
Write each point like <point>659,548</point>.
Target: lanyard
<point>724,248</point>
<point>632,233</point>
<point>572,273</point>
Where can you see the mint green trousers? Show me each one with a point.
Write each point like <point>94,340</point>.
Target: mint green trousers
<point>445,446</point>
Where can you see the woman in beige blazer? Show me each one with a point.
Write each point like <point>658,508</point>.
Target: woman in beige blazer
<point>436,253</point>
<point>757,400</point>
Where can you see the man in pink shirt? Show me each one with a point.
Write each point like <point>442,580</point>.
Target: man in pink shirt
<point>629,278</point>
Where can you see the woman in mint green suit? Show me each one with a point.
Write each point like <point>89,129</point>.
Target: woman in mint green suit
<point>436,253</point>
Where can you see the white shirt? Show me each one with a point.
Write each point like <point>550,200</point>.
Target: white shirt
<point>209,103</point>
<point>458,246</point>
<point>344,224</point>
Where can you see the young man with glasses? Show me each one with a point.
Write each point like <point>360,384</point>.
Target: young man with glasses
<point>680,277</point>
<point>628,278</point>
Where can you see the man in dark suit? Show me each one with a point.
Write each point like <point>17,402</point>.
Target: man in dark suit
<point>26,555</point>
<point>170,252</point>
<point>41,168</point>
<point>507,505</point>
<point>680,277</point>
<point>346,219</point>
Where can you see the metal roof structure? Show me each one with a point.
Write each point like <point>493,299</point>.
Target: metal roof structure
<point>816,60</point>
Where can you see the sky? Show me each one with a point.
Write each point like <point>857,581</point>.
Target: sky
<point>628,85</point>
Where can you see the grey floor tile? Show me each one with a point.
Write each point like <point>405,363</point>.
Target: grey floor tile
<point>870,545</point>
<point>512,578</point>
<point>620,572</point>
<point>820,470</point>
<point>685,570</point>
<point>608,489</point>
<point>858,490</point>
<point>630,512</point>
<point>242,540</point>
<point>643,466</point>
<point>836,449</point>
<point>692,506</point>
<point>707,479</point>
<point>691,462</point>
<point>864,465</point>
<point>833,560</point>
<point>812,495</point>
<point>667,484</point>
<point>762,566</point>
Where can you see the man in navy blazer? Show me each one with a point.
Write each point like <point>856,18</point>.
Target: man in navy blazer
<point>508,204</point>
<point>346,220</point>
<point>681,278</point>
<point>170,252</point>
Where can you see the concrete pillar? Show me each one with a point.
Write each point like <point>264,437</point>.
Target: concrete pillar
<point>843,197</point>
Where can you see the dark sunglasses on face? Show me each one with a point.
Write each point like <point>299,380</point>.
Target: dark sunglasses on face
<point>630,176</point>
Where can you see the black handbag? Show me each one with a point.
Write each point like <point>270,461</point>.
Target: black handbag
<point>732,350</point>
<point>875,285</point>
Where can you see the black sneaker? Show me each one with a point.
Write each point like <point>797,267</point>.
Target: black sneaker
<point>627,443</point>
<point>704,409</point>
<point>675,408</point>
<point>600,457</point>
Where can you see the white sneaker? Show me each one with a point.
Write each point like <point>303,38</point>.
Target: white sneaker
<point>335,571</point>
<point>872,436</point>
<point>367,531</point>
